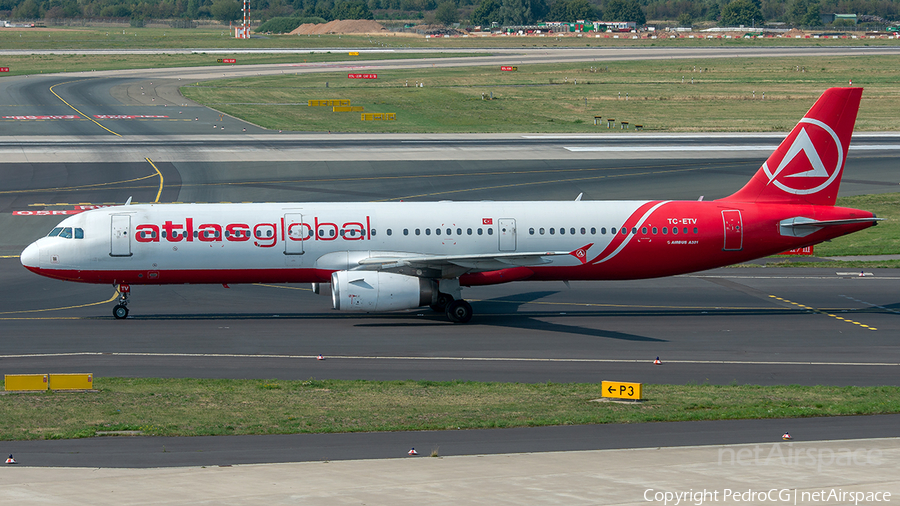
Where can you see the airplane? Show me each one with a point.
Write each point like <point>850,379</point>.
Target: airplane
<point>403,255</point>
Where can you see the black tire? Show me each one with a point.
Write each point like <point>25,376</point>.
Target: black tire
<point>443,300</point>
<point>459,311</point>
<point>120,312</point>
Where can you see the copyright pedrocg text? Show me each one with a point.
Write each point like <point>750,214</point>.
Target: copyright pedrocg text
<point>774,496</point>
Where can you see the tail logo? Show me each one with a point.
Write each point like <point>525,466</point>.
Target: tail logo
<point>821,149</point>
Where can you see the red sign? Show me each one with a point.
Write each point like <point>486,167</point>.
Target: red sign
<point>4,69</point>
<point>487,221</point>
<point>64,116</point>
<point>362,76</point>
<point>799,251</point>
<point>508,68</point>
<point>226,60</point>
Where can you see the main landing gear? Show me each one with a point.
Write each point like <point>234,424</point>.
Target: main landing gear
<point>121,309</point>
<point>457,310</point>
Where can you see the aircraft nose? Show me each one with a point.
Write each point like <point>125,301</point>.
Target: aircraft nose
<point>31,257</point>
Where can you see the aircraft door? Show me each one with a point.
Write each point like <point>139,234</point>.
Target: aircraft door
<point>734,230</point>
<point>507,234</point>
<point>296,233</point>
<point>120,236</point>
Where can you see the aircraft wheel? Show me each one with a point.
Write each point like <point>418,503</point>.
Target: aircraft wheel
<point>443,300</point>
<point>459,311</point>
<point>120,312</point>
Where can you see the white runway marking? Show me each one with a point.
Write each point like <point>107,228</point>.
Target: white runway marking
<point>457,359</point>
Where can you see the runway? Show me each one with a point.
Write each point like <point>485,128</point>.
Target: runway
<point>743,325</point>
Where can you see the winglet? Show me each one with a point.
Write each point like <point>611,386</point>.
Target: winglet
<point>128,202</point>
<point>581,253</point>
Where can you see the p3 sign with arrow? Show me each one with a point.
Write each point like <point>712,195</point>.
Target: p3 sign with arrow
<point>621,390</point>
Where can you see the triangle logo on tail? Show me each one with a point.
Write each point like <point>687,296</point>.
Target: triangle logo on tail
<point>820,165</point>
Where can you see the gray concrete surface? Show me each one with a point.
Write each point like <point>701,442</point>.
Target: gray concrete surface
<point>785,473</point>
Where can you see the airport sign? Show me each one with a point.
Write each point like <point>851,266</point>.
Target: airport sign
<point>621,390</point>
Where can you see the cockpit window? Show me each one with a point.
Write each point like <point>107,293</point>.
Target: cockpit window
<point>66,233</point>
<point>55,232</point>
<point>79,233</point>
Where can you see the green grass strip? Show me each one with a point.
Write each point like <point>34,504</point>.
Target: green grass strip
<point>727,95</point>
<point>195,407</point>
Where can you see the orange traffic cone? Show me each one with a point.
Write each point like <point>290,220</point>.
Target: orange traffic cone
<point>412,451</point>
<point>10,460</point>
<point>786,437</point>
<point>320,357</point>
<point>657,362</point>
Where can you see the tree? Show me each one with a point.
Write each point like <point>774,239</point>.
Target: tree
<point>685,19</point>
<point>624,10</point>
<point>354,9</point>
<point>447,13</point>
<point>572,10</point>
<point>487,12</point>
<point>226,10</point>
<point>741,12</point>
<point>26,10</point>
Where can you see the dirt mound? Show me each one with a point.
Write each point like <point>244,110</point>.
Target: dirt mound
<point>340,26</point>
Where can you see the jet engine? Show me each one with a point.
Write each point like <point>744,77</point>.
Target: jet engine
<point>380,291</point>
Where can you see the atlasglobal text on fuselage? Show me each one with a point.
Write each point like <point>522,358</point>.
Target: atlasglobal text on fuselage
<point>402,255</point>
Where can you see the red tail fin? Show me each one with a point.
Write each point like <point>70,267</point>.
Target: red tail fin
<point>807,166</point>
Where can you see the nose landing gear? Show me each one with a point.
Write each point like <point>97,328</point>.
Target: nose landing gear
<point>120,312</point>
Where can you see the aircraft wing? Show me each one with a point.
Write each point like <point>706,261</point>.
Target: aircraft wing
<point>480,262</point>
<point>467,263</point>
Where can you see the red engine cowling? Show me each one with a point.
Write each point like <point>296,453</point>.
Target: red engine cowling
<point>380,291</point>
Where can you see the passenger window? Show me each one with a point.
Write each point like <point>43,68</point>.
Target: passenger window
<point>695,230</point>
<point>572,231</point>
<point>655,230</point>
<point>623,231</point>
<point>195,234</point>
<point>643,230</point>
<point>593,231</point>
<point>390,232</point>
<point>603,231</point>
<point>449,231</point>
<point>541,231</point>
<point>269,233</point>
<point>427,231</point>
<point>562,231</point>
<point>55,232</point>
<point>437,231</point>
<point>612,231</point>
<point>633,230</point>
<point>530,231</point>
<point>459,231</point>
<point>490,231</point>
<point>552,231</point>
<point>674,230</point>
<point>665,230</point>
<point>418,232</point>
<point>371,231</point>
<point>583,231</point>
<point>405,231</point>
<point>480,231</point>
<point>469,231</point>
<point>684,230</point>
<point>79,233</point>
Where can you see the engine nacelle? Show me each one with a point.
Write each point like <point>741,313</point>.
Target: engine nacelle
<point>380,291</point>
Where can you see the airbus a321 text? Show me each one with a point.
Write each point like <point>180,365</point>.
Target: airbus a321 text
<point>393,256</point>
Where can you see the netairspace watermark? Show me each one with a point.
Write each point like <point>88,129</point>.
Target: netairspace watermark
<point>774,496</point>
<point>799,456</point>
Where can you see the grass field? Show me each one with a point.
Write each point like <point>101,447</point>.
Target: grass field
<point>883,239</point>
<point>220,37</point>
<point>726,96</point>
<point>192,407</point>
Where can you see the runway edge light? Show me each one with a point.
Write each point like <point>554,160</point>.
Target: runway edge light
<point>622,390</point>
